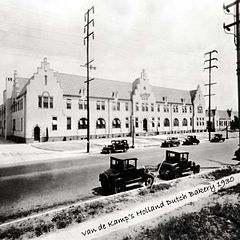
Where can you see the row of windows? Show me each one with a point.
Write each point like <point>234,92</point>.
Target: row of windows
<point>116,123</point>
<point>116,106</point>
<point>17,105</point>
<point>82,123</point>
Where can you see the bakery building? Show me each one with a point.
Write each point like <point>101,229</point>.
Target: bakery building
<point>52,106</point>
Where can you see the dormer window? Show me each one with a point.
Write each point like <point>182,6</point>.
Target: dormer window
<point>115,94</point>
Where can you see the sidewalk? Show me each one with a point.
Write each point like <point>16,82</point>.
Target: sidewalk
<point>17,154</point>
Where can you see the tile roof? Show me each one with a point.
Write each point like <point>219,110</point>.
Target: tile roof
<point>99,88</point>
<point>102,88</point>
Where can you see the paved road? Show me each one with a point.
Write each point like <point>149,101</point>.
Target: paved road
<point>44,184</point>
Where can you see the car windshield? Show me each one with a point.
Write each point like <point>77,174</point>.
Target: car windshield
<point>116,164</point>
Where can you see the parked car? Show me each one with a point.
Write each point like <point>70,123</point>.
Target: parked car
<point>190,140</point>
<point>123,172</point>
<point>237,154</point>
<point>116,146</point>
<point>171,142</point>
<point>175,164</point>
<point>217,138</point>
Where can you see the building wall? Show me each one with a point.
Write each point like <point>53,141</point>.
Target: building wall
<point>52,121</point>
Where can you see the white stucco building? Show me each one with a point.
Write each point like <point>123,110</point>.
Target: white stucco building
<point>51,106</point>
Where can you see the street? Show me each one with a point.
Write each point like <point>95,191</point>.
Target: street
<point>46,185</point>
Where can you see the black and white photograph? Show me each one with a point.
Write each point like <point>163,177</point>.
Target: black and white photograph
<point>120,120</point>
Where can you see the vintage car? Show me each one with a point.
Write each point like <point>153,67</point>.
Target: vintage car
<point>237,154</point>
<point>116,146</point>
<point>176,164</point>
<point>190,140</point>
<point>123,172</point>
<point>171,142</point>
<point>217,138</point>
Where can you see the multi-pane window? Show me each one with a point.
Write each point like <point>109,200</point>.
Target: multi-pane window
<point>69,103</point>
<point>80,104</point>
<point>100,123</point>
<point>158,107</point>
<point>146,108</point>
<point>103,105</point>
<point>166,108</point>
<point>166,122</point>
<point>175,108</point>
<point>190,109</point>
<point>136,122</point>
<point>175,122</point>
<point>137,106</point>
<point>98,106</point>
<point>184,109</point>
<point>116,106</point>
<point>82,123</point>
<point>45,102</point>
<point>153,122</point>
<point>69,123</point>
<point>152,107</point>
<point>184,122</point>
<point>40,101</point>
<point>158,121</point>
<point>54,123</point>
<point>127,122</point>
<point>51,102</point>
<point>199,109</point>
<point>143,107</point>
<point>126,106</point>
<point>203,121</point>
<point>116,123</point>
<point>45,79</point>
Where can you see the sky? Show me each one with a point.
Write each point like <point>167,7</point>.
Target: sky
<point>167,38</point>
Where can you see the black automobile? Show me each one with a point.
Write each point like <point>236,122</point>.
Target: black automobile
<point>123,172</point>
<point>217,138</point>
<point>175,164</point>
<point>171,142</point>
<point>191,140</point>
<point>116,146</point>
<point>237,154</point>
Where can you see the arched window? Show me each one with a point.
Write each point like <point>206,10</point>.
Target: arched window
<point>184,122</point>
<point>175,122</point>
<point>100,123</point>
<point>116,123</point>
<point>82,123</point>
<point>166,122</point>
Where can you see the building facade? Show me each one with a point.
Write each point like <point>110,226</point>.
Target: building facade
<point>52,106</point>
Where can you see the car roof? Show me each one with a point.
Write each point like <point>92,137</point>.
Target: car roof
<point>177,151</point>
<point>126,159</point>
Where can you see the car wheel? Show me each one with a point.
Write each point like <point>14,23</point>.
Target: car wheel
<point>119,186</point>
<point>149,181</point>
<point>196,169</point>
<point>177,174</point>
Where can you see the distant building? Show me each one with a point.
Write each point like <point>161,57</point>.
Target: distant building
<point>220,119</point>
<point>52,106</point>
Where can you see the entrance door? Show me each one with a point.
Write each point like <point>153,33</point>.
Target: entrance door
<point>37,133</point>
<point>145,124</point>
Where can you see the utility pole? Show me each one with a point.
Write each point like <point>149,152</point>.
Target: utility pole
<point>89,67</point>
<point>235,33</point>
<point>210,66</point>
